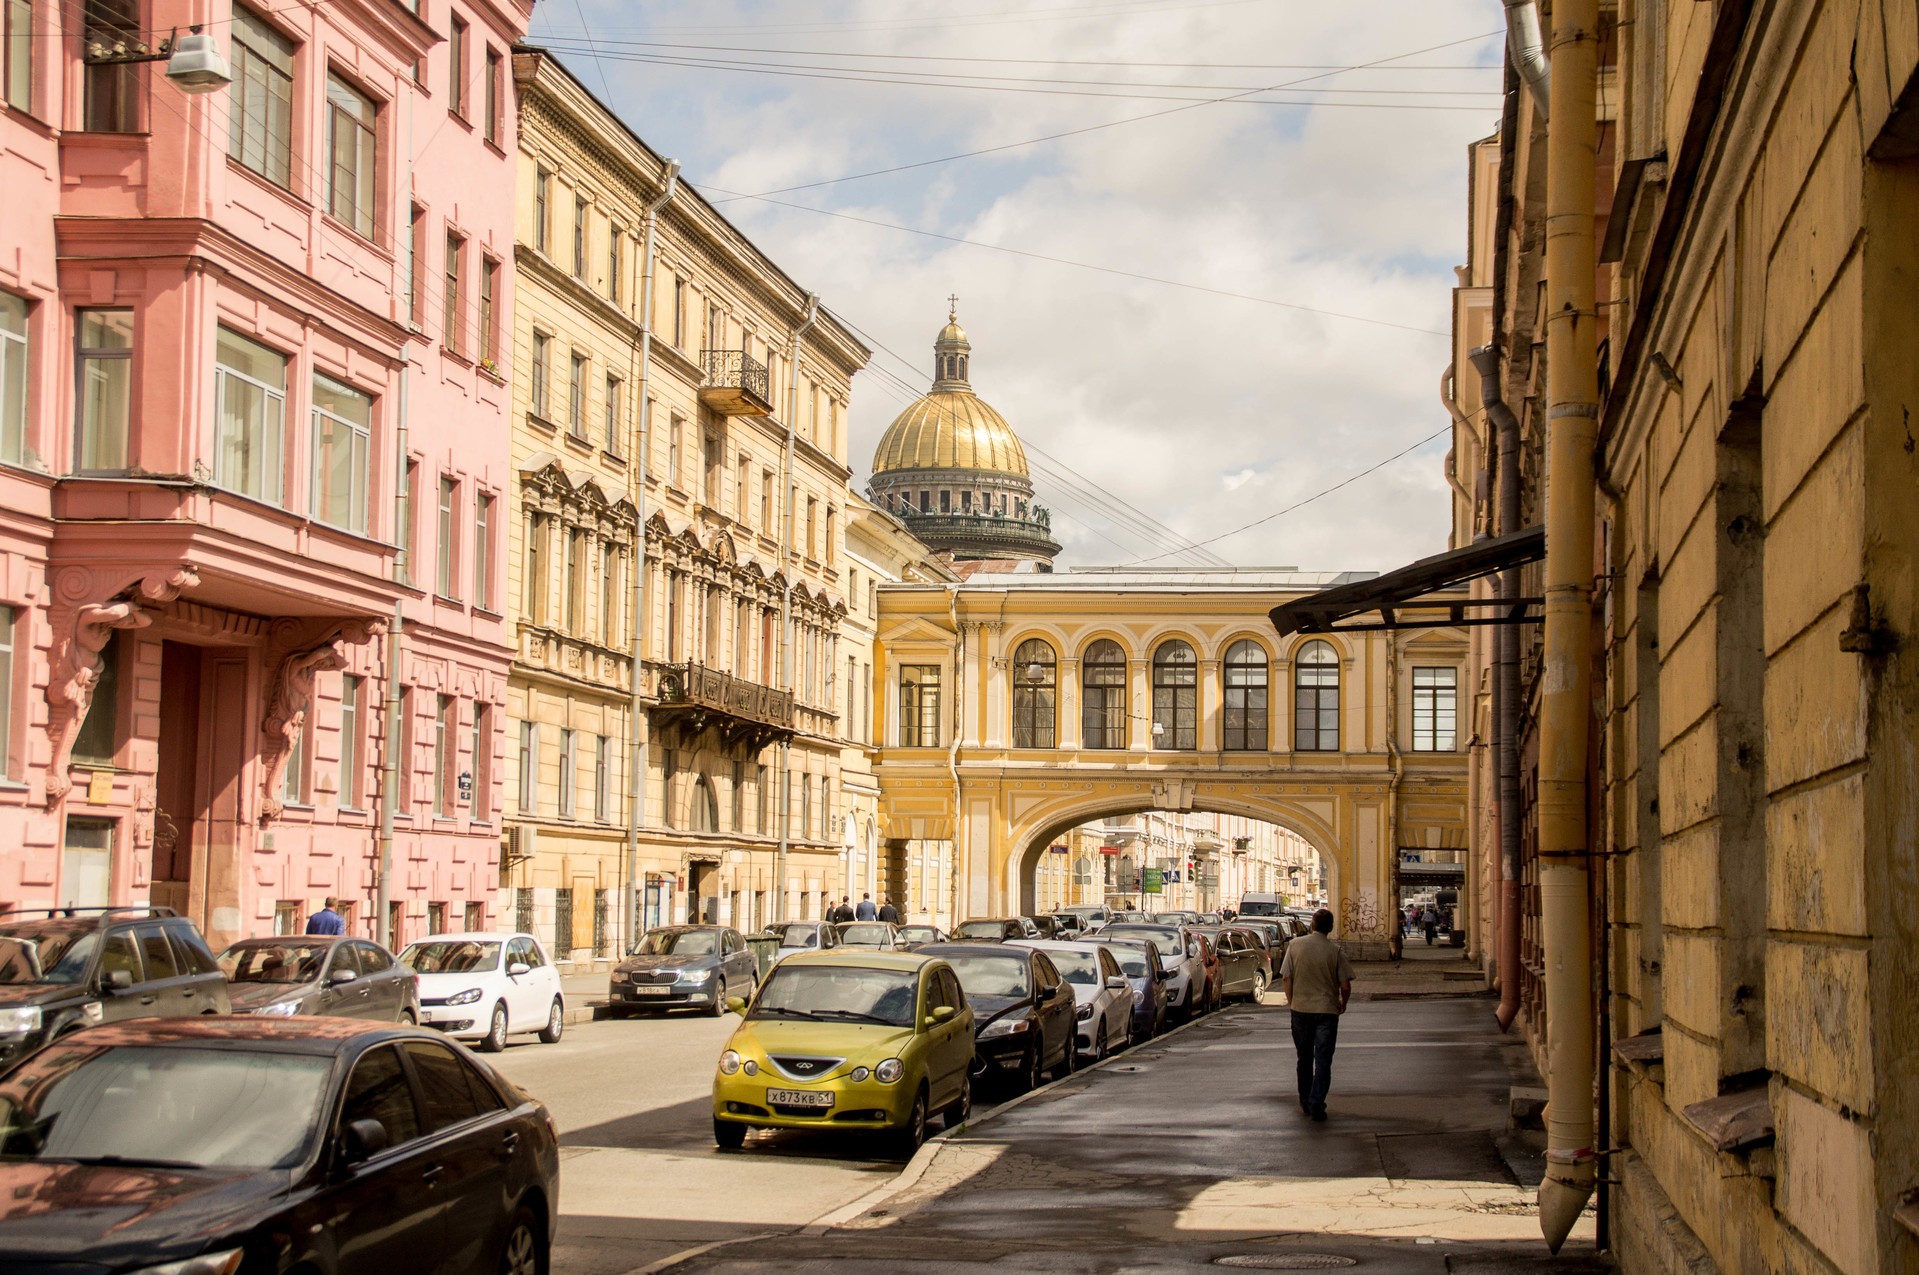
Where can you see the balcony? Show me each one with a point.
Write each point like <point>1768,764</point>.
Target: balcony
<point>693,697</point>
<point>736,384</point>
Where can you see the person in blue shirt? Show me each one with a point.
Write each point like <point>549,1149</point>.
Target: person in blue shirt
<point>326,920</point>
<point>866,910</point>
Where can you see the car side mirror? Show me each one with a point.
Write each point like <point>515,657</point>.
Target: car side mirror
<point>1116,983</point>
<point>341,976</point>
<point>518,968</point>
<point>1192,949</point>
<point>117,980</point>
<point>942,1014</point>
<point>735,1005</point>
<point>362,1140</point>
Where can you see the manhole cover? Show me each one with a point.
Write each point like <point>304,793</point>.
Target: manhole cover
<point>1286,1261</point>
<point>1127,1067</point>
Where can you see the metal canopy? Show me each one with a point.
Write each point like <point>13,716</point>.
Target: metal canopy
<point>1409,587</point>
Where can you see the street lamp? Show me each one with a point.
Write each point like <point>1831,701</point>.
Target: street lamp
<point>194,64</point>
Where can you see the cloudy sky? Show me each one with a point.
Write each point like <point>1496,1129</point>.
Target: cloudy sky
<point>1204,411</point>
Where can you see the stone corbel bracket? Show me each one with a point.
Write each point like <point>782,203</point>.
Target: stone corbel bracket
<point>83,629</point>
<point>299,661</point>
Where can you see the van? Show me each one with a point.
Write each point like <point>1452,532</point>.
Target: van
<point>1252,904</point>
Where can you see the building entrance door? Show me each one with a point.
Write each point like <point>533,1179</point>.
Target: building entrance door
<point>702,890</point>
<point>199,814</point>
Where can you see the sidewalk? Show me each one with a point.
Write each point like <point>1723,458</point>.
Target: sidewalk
<point>1193,1149</point>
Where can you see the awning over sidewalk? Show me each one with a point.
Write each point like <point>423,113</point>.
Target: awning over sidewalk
<point>1403,600</point>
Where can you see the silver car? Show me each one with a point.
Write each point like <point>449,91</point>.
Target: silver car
<point>1179,960</point>
<point>873,936</point>
<point>329,975</point>
<point>804,936</point>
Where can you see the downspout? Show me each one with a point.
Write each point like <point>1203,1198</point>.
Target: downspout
<point>1505,687</point>
<point>636,652</point>
<point>1395,934</point>
<point>1448,397</point>
<point>952,748</point>
<point>1572,396</point>
<point>390,758</point>
<point>1528,51</point>
<point>786,602</point>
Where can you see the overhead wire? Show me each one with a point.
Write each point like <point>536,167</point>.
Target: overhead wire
<point>964,21</point>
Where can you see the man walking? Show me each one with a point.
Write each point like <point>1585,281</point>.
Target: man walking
<point>1318,980</point>
<point>865,911</point>
<point>327,920</point>
<point>889,913</point>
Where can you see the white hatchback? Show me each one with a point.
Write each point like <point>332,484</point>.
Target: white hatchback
<point>1102,993</point>
<point>486,986</point>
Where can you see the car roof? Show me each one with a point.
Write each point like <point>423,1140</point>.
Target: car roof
<point>862,960</point>
<point>1057,945</point>
<point>975,949</point>
<point>689,925</point>
<point>272,940</point>
<point>476,936</point>
<point>300,1034</point>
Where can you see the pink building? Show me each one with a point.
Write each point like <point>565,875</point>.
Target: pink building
<point>251,412</point>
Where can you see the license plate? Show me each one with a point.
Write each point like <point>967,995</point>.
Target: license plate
<point>800,1097</point>
<point>652,991</point>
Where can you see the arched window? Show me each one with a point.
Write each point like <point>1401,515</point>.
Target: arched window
<point>1316,699</point>
<point>1246,697</point>
<point>703,814</point>
<point>1175,696</point>
<point>1035,694</point>
<point>1102,676</point>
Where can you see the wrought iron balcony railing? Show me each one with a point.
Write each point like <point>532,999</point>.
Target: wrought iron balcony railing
<point>736,384</point>
<point>697,697</point>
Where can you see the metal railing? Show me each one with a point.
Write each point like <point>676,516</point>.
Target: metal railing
<point>690,685</point>
<point>737,370</point>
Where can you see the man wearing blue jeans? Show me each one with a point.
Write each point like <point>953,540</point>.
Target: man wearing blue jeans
<point>1318,981</point>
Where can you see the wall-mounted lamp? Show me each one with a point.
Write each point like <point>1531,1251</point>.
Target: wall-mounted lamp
<point>193,63</point>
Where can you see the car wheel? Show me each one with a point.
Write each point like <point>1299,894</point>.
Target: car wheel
<point>913,1132</point>
<point>1031,1071</point>
<point>962,1108</point>
<point>525,1250</point>
<point>729,1135</point>
<point>555,1023</point>
<point>1068,1056</point>
<point>1099,1045</point>
<point>1259,986</point>
<point>495,1039</point>
<point>718,1006</point>
<point>407,1019</point>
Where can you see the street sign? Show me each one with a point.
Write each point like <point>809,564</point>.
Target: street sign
<point>1154,881</point>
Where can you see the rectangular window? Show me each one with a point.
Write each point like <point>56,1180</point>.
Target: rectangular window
<point>452,319</point>
<point>575,585</point>
<point>105,358</point>
<point>830,519</point>
<point>673,443</point>
<point>602,789</point>
<point>260,99</point>
<point>569,761</point>
<point>542,207</point>
<point>415,253</point>
<point>542,353</point>
<point>352,730</point>
<point>352,155</point>
<point>6,692</point>
<point>529,767</point>
<point>98,739</point>
<point>1435,710</point>
<point>679,314</point>
<point>250,403</point>
<point>16,54</point>
<point>342,454</point>
<point>812,528</point>
<point>112,89</point>
<point>533,587</point>
<point>743,490</point>
<point>712,460</point>
<point>480,766</point>
<point>409,501</point>
<point>295,786</point>
<point>443,745</point>
<point>805,783</point>
<point>613,263</point>
<point>483,552</point>
<point>609,592</point>
<point>610,414</point>
<point>456,67</point>
<point>489,347</point>
<point>920,706</point>
<point>13,378</point>
<point>576,398</point>
<point>766,501</point>
<point>579,236</point>
<point>493,71</point>
<point>447,539</point>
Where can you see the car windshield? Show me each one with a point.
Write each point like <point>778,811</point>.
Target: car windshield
<point>452,956</point>
<point>163,1105</point>
<point>1166,940</point>
<point>839,993</point>
<point>679,943</point>
<point>918,933</point>
<point>807,935</point>
<point>1076,967</point>
<point>46,951</point>
<point>864,935</point>
<point>990,975</point>
<point>980,930</point>
<point>1132,961</point>
<point>1258,907</point>
<point>273,962</point>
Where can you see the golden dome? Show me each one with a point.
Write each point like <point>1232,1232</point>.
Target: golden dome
<point>952,333</point>
<point>950,429</point>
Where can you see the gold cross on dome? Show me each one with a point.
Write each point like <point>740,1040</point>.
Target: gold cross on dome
<point>952,307</point>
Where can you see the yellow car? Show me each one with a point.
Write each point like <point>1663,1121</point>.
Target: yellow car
<point>848,1039</point>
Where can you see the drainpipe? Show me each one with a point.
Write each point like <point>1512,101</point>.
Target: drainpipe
<point>1448,397</point>
<point>1572,396</point>
<point>390,754</point>
<point>786,602</point>
<point>636,751</point>
<point>1395,935</point>
<point>1505,687</point>
<point>952,748</point>
<point>1528,51</point>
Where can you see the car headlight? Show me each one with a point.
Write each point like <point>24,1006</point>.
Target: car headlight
<point>1004,1027</point>
<point>285,1009</point>
<point>695,976</point>
<point>467,997</point>
<point>860,1073</point>
<point>750,1067</point>
<point>1085,1012</point>
<point>889,1071</point>
<point>729,1063</point>
<point>224,1262</point>
<point>620,976</point>
<point>21,1021</point>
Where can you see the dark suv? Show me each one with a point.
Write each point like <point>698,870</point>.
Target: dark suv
<point>66,968</point>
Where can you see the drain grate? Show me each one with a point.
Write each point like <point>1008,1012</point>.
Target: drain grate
<point>1286,1261</point>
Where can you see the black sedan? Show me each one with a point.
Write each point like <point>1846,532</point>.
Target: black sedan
<point>320,974</point>
<point>1023,1011</point>
<point>681,966</point>
<point>242,1144</point>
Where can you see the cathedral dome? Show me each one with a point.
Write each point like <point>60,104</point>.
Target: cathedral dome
<point>950,429</point>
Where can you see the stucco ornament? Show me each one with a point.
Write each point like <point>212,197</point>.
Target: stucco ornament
<point>85,628</point>
<point>291,694</point>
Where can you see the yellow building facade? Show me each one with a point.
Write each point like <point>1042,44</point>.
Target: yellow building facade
<point>677,562</point>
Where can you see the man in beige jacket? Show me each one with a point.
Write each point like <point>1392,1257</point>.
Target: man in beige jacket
<point>1318,981</point>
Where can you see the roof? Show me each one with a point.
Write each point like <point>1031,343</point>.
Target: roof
<point>1409,585</point>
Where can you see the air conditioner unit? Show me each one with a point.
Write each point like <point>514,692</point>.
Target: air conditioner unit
<point>522,842</point>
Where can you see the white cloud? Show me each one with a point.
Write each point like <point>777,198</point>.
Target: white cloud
<point>1204,411</point>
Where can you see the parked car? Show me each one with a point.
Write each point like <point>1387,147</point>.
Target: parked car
<point>1091,915</point>
<point>912,937</point>
<point>1180,962</point>
<point>1214,981</point>
<point>1139,961</point>
<point>329,975</point>
<point>1131,918</point>
<point>1040,926</point>
<point>1254,903</point>
<point>1023,1010</point>
<point>1180,917</point>
<point>874,936</point>
<point>996,930</point>
<point>262,1143</point>
<point>1242,961</point>
<point>852,1040</point>
<point>1102,996</point>
<point>1275,933</point>
<point>1067,925</point>
<point>487,986</point>
<point>62,969</point>
<point>804,936</point>
<point>683,967</point>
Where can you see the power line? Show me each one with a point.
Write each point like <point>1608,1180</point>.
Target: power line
<point>1003,18</point>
